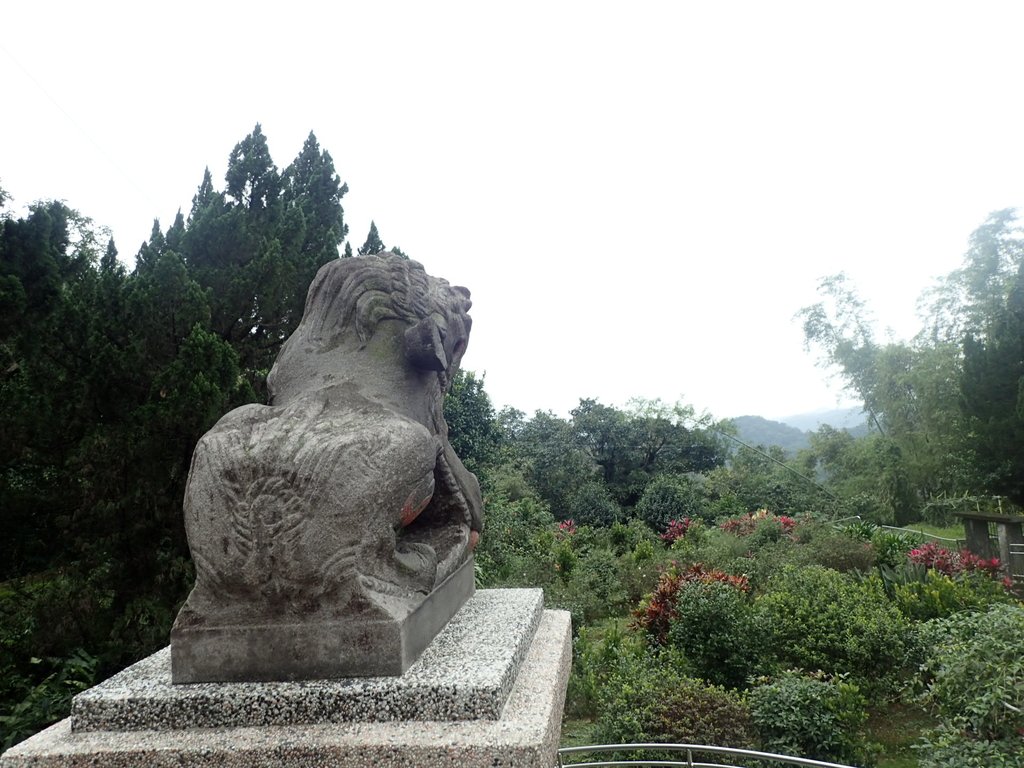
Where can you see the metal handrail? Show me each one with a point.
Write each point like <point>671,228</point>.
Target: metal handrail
<point>927,535</point>
<point>1016,556</point>
<point>689,749</point>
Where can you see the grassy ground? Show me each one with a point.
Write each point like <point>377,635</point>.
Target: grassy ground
<point>897,728</point>
<point>578,733</point>
<point>945,532</point>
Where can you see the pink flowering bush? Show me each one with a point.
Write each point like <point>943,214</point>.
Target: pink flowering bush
<point>950,563</point>
<point>566,529</point>
<point>676,530</point>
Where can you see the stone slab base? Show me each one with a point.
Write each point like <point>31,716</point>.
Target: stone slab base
<point>467,673</point>
<point>209,653</point>
<point>525,735</point>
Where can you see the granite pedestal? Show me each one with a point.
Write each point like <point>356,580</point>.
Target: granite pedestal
<point>315,650</point>
<point>488,691</point>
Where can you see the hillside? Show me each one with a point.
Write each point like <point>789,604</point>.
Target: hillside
<point>851,419</point>
<point>792,432</point>
<point>757,430</point>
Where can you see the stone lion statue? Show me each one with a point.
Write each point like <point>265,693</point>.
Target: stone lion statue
<point>332,530</point>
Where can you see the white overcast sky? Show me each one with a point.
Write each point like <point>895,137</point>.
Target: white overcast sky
<point>639,195</point>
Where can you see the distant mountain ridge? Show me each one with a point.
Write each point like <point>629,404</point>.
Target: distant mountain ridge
<point>792,433</point>
<point>840,418</point>
<point>757,430</point>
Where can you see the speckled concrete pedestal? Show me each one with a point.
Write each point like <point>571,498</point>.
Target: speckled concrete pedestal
<point>488,691</point>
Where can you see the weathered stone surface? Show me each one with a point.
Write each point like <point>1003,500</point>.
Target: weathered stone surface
<point>524,736</point>
<point>340,506</point>
<point>467,673</point>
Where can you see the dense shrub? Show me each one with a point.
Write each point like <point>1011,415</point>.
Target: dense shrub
<point>946,746</point>
<point>891,547</point>
<point>624,537</point>
<point>761,523</point>
<point>923,594</point>
<point>506,481</point>
<point>838,550</point>
<point>677,530</point>
<point>820,619</point>
<point>515,549</point>
<point>716,630</point>
<point>647,699</point>
<point>49,700</point>
<point>975,672</point>
<point>592,504</point>
<point>811,716</point>
<point>762,565</point>
<point>716,549</point>
<point>593,589</point>
<point>596,651</point>
<point>952,563</point>
<point>656,612</point>
<point>863,530</point>
<point>669,497</point>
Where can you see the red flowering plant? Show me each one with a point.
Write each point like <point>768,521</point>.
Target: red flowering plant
<point>676,530</point>
<point>566,529</point>
<point>656,611</point>
<point>950,563</point>
<point>745,525</point>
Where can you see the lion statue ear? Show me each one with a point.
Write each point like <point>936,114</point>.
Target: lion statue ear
<point>424,346</point>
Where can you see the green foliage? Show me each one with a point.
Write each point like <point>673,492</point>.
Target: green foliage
<point>648,699</point>
<point>48,700</point>
<point>373,244</point>
<point>909,394</point>
<point>473,429</point>
<point>657,611</point>
<point>969,296</point>
<point>596,651</point>
<point>823,620</point>
<point>716,549</point>
<point>974,678</point>
<point>633,446</point>
<point>554,464</point>
<point>314,189</point>
<point>975,671</point>
<point>816,717</point>
<point>992,386</point>
<point>108,379</point>
<point>591,504</point>
<point>593,590</point>
<point>823,545</point>
<point>946,407</point>
<point>718,633</point>
<point>868,472</point>
<point>946,746</point>
<point>863,530</point>
<point>625,537</point>
<point>891,547</point>
<point>515,549</point>
<point>622,450</point>
<point>670,497</point>
<point>255,248</point>
<point>638,554</point>
<point>928,594</point>
<point>764,480</point>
